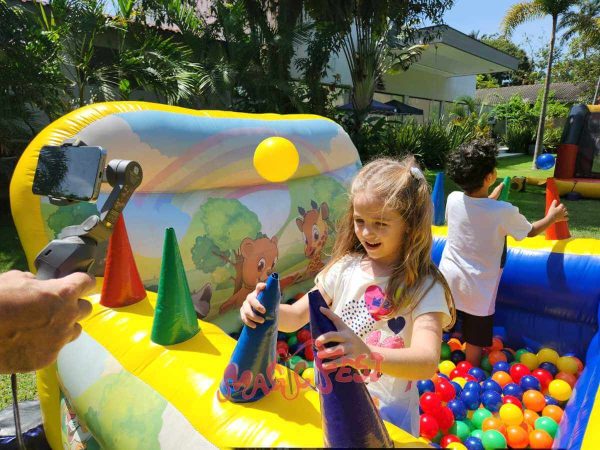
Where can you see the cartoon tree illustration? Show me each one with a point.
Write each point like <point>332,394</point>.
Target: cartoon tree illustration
<point>70,215</point>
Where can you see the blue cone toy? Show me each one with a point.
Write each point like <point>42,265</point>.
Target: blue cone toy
<point>249,375</point>
<point>439,204</point>
<point>350,418</point>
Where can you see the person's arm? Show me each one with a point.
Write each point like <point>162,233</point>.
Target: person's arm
<point>416,362</point>
<point>495,195</point>
<point>556,213</point>
<point>291,317</point>
<point>37,318</point>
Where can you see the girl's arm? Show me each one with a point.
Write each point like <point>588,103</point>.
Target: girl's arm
<point>417,362</point>
<point>291,317</point>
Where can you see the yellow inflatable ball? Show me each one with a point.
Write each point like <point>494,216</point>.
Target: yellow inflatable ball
<point>560,390</point>
<point>309,375</point>
<point>511,414</point>
<point>446,367</point>
<point>547,355</point>
<point>276,159</point>
<point>460,380</point>
<point>567,364</point>
<point>456,446</point>
<point>530,360</point>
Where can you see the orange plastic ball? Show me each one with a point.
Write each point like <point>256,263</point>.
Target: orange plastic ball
<point>517,436</point>
<point>502,378</point>
<point>554,412</point>
<point>529,417</point>
<point>568,377</point>
<point>540,439</point>
<point>496,356</point>
<point>534,400</point>
<point>454,344</point>
<point>494,423</point>
<point>497,344</point>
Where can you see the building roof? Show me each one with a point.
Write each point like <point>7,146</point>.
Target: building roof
<point>565,92</point>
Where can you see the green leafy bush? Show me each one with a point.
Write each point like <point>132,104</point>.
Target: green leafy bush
<point>518,138</point>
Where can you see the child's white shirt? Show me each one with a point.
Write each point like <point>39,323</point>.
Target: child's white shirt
<point>472,258</point>
<point>357,297</point>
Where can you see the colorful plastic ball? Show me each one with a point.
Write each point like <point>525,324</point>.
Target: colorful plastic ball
<point>568,377</point>
<point>309,375</point>
<point>548,355</point>
<point>547,424</point>
<point>425,386</point>
<point>511,399</point>
<point>457,356</point>
<point>479,416</point>
<point>445,351</point>
<point>497,343</point>
<point>454,344</point>
<point>460,429</point>
<point>545,161</point>
<point>518,371</point>
<point>456,446</point>
<point>446,367</point>
<point>493,423</point>
<point>554,412</point>
<point>472,386</point>
<point>491,400</point>
<point>551,400</point>
<point>473,443</point>
<point>428,426</point>
<point>560,390</point>
<point>485,364</point>
<point>309,353</point>
<point>470,398</point>
<point>501,366</point>
<point>510,356</point>
<point>457,386</point>
<point>529,417</point>
<point>519,353</point>
<point>445,418</point>
<point>430,402</point>
<point>477,433</point>
<point>445,390</point>
<point>276,159</point>
<point>478,373</point>
<point>447,439</point>
<point>549,367</point>
<point>534,400</point>
<point>540,439</point>
<point>464,367</point>
<point>511,414</point>
<point>502,378</point>
<point>493,439</point>
<point>530,382</point>
<point>455,373</point>
<point>303,335</point>
<point>513,389</point>
<point>496,356</point>
<point>458,408</point>
<point>567,364</point>
<point>293,340</point>
<point>543,376</point>
<point>530,360</point>
<point>491,385</point>
<point>517,437</point>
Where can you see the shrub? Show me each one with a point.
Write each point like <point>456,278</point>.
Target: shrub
<point>518,138</point>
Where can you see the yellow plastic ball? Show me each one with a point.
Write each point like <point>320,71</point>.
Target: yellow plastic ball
<point>456,446</point>
<point>446,367</point>
<point>547,355</point>
<point>530,360</point>
<point>511,414</point>
<point>309,375</point>
<point>276,159</point>
<point>567,364</point>
<point>560,390</point>
<point>460,380</point>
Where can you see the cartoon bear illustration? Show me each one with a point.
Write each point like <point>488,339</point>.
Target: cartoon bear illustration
<point>201,300</point>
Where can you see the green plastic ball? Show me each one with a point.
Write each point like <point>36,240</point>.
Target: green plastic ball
<point>479,416</point>
<point>493,439</point>
<point>446,352</point>
<point>485,364</point>
<point>293,340</point>
<point>547,424</point>
<point>460,429</point>
<point>518,354</point>
<point>477,433</point>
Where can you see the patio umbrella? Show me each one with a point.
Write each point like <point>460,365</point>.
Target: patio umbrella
<point>404,109</point>
<point>375,107</point>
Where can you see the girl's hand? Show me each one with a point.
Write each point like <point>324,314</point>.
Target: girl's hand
<point>350,351</point>
<point>251,308</point>
<point>497,191</point>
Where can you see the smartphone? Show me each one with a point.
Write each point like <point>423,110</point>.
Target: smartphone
<point>70,172</point>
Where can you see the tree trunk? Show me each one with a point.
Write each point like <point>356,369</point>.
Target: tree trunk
<point>539,140</point>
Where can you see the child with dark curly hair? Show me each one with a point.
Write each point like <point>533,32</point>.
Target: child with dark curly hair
<point>475,249</point>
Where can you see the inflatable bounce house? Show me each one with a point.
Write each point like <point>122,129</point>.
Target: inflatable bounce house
<point>151,367</point>
<point>578,158</point>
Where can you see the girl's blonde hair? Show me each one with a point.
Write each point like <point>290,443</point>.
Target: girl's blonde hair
<point>401,186</point>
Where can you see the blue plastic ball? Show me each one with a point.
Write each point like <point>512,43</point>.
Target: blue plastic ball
<point>457,356</point>
<point>491,385</point>
<point>492,400</point>
<point>470,399</point>
<point>551,400</point>
<point>425,386</point>
<point>478,373</point>
<point>458,408</point>
<point>473,443</point>
<point>549,367</point>
<point>445,337</point>
<point>441,375</point>
<point>457,387</point>
<point>530,382</point>
<point>501,366</point>
<point>545,161</point>
<point>472,386</point>
<point>513,389</point>
<point>509,356</point>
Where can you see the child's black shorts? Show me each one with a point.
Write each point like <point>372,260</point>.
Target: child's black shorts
<point>477,330</point>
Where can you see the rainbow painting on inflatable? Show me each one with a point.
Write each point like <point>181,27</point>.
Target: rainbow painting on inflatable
<point>115,387</point>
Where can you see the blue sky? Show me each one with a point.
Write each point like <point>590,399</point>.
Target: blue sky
<point>486,16</point>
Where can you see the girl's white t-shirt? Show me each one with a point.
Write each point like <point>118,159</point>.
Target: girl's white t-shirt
<point>359,299</point>
<point>472,258</point>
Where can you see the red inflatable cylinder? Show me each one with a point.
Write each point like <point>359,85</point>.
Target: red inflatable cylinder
<point>566,158</point>
<point>558,230</point>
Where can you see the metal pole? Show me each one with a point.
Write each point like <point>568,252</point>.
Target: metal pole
<point>595,99</point>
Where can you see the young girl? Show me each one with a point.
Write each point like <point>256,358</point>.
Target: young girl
<point>387,298</point>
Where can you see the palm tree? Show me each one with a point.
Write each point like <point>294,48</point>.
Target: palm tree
<point>584,22</point>
<point>530,10</point>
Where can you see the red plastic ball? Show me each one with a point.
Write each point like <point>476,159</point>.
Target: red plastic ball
<point>428,426</point>
<point>569,378</point>
<point>455,373</point>
<point>309,353</point>
<point>543,376</point>
<point>447,439</point>
<point>518,371</point>
<point>430,403</point>
<point>512,400</point>
<point>463,367</point>
<point>445,390</point>
<point>303,335</point>
<point>445,418</point>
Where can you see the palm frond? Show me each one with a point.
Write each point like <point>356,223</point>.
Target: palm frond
<point>520,13</point>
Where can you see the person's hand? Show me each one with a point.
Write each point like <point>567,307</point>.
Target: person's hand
<point>251,309</point>
<point>558,213</point>
<point>39,317</point>
<point>350,351</point>
<point>495,195</point>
